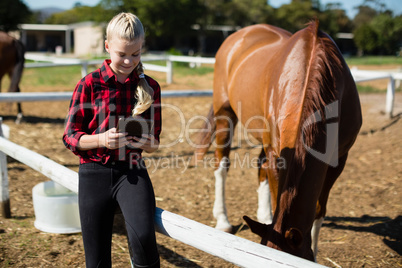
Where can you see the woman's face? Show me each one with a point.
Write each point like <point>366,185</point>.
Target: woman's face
<point>125,56</point>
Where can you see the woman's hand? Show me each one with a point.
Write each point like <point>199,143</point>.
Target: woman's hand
<point>147,142</point>
<point>112,139</point>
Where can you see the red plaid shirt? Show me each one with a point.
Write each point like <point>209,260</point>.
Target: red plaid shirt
<point>97,103</point>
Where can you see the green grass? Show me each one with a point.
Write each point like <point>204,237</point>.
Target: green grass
<point>368,89</point>
<point>186,70</point>
<point>374,60</point>
<point>54,76</point>
<point>183,68</point>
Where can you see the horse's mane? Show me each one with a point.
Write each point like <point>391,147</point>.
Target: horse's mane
<point>325,62</point>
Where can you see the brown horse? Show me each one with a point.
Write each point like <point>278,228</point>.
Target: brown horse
<point>12,63</point>
<point>295,95</point>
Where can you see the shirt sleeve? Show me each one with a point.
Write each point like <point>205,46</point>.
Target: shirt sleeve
<point>76,125</point>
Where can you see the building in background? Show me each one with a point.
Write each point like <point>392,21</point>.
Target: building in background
<point>80,39</point>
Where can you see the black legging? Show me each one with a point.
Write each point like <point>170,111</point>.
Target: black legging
<point>101,189</point>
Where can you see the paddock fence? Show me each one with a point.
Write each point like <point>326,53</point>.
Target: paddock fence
<point>65,96</point>
<point>234,249</point>
<point>394,76</point>
<point>50,61</point>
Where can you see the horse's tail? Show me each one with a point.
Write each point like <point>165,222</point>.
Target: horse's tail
<point>205,137</point>
<point>18,67</point>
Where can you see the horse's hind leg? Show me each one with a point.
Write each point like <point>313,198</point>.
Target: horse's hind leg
<point>19,115</point>
<point>205,138</point>
<point>14,87</point>
<point>225,123</point>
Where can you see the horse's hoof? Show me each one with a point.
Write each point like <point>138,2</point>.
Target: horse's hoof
<point>226,229</point>
<point>19,118</point>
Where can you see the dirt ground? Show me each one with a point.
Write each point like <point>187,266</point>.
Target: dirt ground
<point>363,227</point>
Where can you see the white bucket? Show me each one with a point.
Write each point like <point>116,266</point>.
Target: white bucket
<point>56,208</point>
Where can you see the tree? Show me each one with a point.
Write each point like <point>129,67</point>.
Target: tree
<point>296,15</point>
<point>364,16</point>
<point>368,11</point>
<point>334,20</point>
<point>12,13</point>
<point>161,17</point>
<point>78,14</point>
<point>246,12</point>
<point>366,39</point>
<point>376,30</point>
<point>170,23</point>
<point>171,19</point>
<point>389,32</point>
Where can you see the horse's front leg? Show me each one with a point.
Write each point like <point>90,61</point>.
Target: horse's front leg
<point>332,174</point>
<point>268,185</point>
<point>315,231</point>
<point>264,211</point>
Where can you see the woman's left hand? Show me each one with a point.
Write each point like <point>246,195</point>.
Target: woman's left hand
<point>147,142</point>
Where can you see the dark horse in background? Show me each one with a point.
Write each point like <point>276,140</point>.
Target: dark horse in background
<point>12,63</point>
<point>295,95</point>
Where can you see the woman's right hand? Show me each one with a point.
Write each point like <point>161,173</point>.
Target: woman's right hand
<point>112,139</point>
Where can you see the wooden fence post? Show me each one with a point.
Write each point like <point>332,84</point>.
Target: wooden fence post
<point>4,193</point>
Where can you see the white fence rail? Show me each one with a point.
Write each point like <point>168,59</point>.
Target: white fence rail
<point>49,61</point>
<point>358,75</point>
<point>364,76</point>
<point>231,248</point>
<point>65,96</point>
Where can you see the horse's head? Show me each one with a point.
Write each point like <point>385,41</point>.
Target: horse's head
<point>291,241</point>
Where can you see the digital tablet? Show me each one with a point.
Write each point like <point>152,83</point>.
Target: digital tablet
<point>135,126</point>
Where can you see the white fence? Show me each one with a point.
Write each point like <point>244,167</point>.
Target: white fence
<point>358,75</point>
<point>64,96</point>
<point>364,76</point>
<point>231,248</point>
<point>49,61</point>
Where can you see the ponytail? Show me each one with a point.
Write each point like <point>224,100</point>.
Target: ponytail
<point>144,92</point>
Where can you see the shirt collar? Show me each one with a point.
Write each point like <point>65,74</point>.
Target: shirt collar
<point>107,72</point>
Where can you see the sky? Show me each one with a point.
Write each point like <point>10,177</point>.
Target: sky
<point>348,5</point>
<point>64,4</point>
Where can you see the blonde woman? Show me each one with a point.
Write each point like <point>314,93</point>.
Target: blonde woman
<point>111,171</point>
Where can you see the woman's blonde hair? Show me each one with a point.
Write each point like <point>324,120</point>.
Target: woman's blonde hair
<point>128,26</point>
